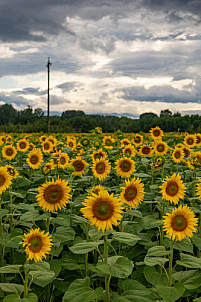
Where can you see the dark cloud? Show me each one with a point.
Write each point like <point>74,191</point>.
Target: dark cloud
<point>30,90</point>
<point>67,86</point>
<point>58,100</point>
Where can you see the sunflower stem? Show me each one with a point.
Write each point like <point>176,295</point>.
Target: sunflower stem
<point>1,247</point>
<point>170,264</point>
<point>26,289</point>
<point>107,277</point>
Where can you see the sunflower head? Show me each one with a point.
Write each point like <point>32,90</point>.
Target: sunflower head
<point>5,179</point>
<point>190,140</point>
<point>146,150</point>
<point>125,167</point>
<point>156,133</point>
<point>79,165</point>
<point>160,147</point>
<point>173,188</point>
<point>138,139</point>
<point>133,192</point>
<point>23,145</point>
<point>35,158</point>
<point>101,168</point>
<point>9,152</point>
<point>178,155</point>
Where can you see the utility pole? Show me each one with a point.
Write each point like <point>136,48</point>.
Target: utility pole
<point>48,94</point>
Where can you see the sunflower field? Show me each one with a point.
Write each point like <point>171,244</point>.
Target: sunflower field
<point>100,217</point>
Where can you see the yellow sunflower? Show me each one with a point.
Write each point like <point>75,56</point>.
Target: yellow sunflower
<point>196,158</point>
<point>180,223</point>
<point>125,167</point>
<point>71,143</point>
<point>190,140</point>
<point>99,154</point>
<point>178,155</point>
<point>198,188</point>
<point>129,150</point>
<point>22,145</point>
<point>35,158</point>
<point>138,139</point>
<point>101,168</point>
<point>96,190</point>
<point>49,166</point>
<point>63,160</point>
<point>103,210</point>
<point>53,195</point>
<point>156,133</point>
<point>79,165</point>
<point>38,244</point>
<point>47,146</point>
<point>160,147</point>
<point>9,152</point>
<point>173,188</point>
<point>133,192</point>
<point>146,150</point>
<point>5,179</point>
<point>187,151</point>
<point>12,171</point>
<point>198,140</point>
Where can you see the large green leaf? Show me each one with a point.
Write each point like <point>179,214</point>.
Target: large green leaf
<point>118,266</point>
<point>157,251</point>
<point>13,269</point>
<point>69,262</point>
<point>190,279</point>
<point>12,288</point>
<point>84,247</point>
<point>171,294</point>
<point>63,234</point>
<point>152,261</point>
<point>42,278</point>
<point>126,238</point>
<point>189,261</point>
<point>80,291</point>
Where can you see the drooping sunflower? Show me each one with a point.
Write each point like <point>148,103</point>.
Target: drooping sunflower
<point>190,140</point>
<point>187,151</point>
<point>108,142</point>
<point>133,192</point>
<point>156,133</point>
<point>180,223</point>
<point>103,210</point>
<point>47,146</point>
<point>5,179</point>
<point>178,155</point>
<point>79,165</point>
<point>129,151</point>
<point>9,152</point>
<point>53,195</point>
<point>146,150</point>
<point>196,159</point>
<point>12,171</point>
<point>49,166</point>
<point>96,190</point>
<point>101,168</point>
<point>22,145</point>
<point>38,244</point>
<point>173,188</point>
<point>63,160</point>
<point>198,188</point>
<point>160,147</point>
<point>99,154</point>
<point>138,139</point>
<point>35,158</point>
<point>71,143</point>
<point>125,167</point>
<point>198,139</point>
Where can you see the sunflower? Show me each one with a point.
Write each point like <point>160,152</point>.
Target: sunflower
<point>99,154</point>
<point>173,188</point>
<point>85,141</point>
<point>197,159</point>
<point>156,133</point>
<point>79,165</point>
<point>187,151</point>
<point>12,171</point>
<point>53,195</point>
<point>138,139</point>
<point>22,145</point>
<point>49,166</point>
<point>198,139</point>
<point>35,158</point>
<point>124,142</point>
<point>52,139</point>
<point>42,138</point>
<point>180,223</point>
<point>146,150</point>
<point>71,143</point>
<point>160,147</point>
<point>9,152</point>
<point>178,155</point>
<point>31,146</point>
<point>198,189</point>
<point>190,140</point>
<point>133,192</point>
<point>37,244</point>
<point>5,179</point>
<point>2,139</point>
<point>129,151</point>
<point>101,168</point>
<point>47,146</point>
<point>63,160</point>
<point>96,190</point>
<point>158,161</point>
<point>125,167</point>
<point>108,142</point>
<point>103,210</point>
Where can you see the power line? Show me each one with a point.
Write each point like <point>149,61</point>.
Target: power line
<point>48,94</point>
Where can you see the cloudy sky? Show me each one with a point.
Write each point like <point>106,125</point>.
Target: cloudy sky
<point>123,56</point>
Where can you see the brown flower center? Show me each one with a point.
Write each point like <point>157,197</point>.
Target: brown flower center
<point>190,141</point>
<point>156,132</point>
<point>9,152</point>
<point>46,146</point>
<point>179,223</point>
<point>35,244</point>
<point>2,180</point>
<point>78,165</point>
<point>128,152</point>
<point>172,188</point>
<point>137,139</point>
<point>125,166</point>
<point>62,160</point>
<point>22,145</point>
<point>53,194</point>
<point>130,193</point>
<point>145,150</point>
<point>100,168</point>
<point>103,210</point>
<point>160,147</point>
<point>177,154</point>
<point>34,159</point>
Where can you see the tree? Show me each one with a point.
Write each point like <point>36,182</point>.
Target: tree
<point>165,113</point>
<point>72,113</point>
<point>8,114</point>
<point>38,112</point>
<point>149,115</point>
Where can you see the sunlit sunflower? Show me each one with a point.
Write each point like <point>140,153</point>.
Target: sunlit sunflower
<point>180,223</point>
<point>190,164</point>
<point>133,192</point>
<point>63,160</point>
<point>35,158</point>
<point>85,142</point>
<point>53,195</point>
<point>187,151</point>
<point>38,244</point>
<point>124,142</point>
<point>101,168</point>
<point>173,188</point>
<point>103,210</point>
<point>129,151</point>
<point>196,158</point>
<point>5,179</point>
<point>52,139</point>
<point>156,133</point>
<point>31,146</point>
<point>190,140</point>
<point>160,147</point>
<point>49,166</point>
<point>96,190</point>
<point>97,144</point>
<point>9,152</point>
<point>138,139</point>
<point>178,155</point>
<point>108,142</point>
<point>198,140</point>
<point>99,154</point>
<point>71,143</point>
<point>9,139</point>
<point>2,139</point>
<point>125,167</point>
<point>42,138</point>
<point>22,145</point>
<point>146,150</point>
<point>158,161</point>
<point>79,165</point>
<point>12,171</point>
<point>47,146</point>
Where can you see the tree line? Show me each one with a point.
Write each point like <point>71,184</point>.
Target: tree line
<point>29,120</point>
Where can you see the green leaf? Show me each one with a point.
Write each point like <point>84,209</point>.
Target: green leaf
<point>190,279</point>
<point>157,251</point>
<point>142,175</point>
<point>154,277</point>
<point>171,294</point>
<point>95,235</point>
<point>126,238</point>
<point>30,216</point>
<point>118,266</point>
<point>7,241</point>
<point>152,261</point>
<point>12,288</point>
<point>42,278</point>
<point>30,298</point>
<point>69,262</point>
<point>189,261</point>
<point>13,269</point>
<point>19,195</point>
<point>22,181</point>
<point>39,266</point>
<point>197,241</point>
<point>12,298</point>
<point>64,234</point>
<point>3,213</point>
<point>79,291</point>
<point>84,247</point>
<point>62,219</point>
